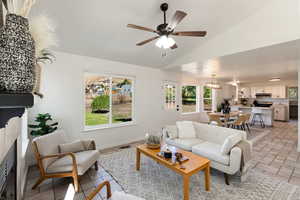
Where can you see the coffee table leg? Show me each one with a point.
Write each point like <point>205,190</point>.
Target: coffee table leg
<point>207,178</point>
<point>186,187</point>
<point>138,160</point>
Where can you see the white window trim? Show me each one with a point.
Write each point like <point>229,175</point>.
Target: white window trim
<point>213,100</point>
<point>110,124</point>
<point>198,99</point>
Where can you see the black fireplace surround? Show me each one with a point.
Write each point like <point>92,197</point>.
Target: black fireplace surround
<point>11,105</point>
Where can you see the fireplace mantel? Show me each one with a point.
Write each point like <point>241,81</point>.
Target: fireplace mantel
<point>13,105</point>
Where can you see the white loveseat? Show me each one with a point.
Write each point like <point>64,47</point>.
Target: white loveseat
<point>210,142</point>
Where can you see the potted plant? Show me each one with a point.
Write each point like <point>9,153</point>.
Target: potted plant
<point>43,128</point>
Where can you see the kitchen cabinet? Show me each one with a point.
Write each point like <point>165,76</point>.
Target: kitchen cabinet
<point>280,113</point>
<point>277,91</point>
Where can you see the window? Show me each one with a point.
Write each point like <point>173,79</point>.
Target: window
<point>207,99</point>
<point>293,92</point>
<point>189,99</point>
<point>170,96</point>
<point>108,100</point>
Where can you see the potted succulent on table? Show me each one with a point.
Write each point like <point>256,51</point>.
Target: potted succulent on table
<point>152,141</point>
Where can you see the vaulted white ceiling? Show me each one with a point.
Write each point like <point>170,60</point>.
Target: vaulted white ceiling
<point>98,28</point>
<point>281,60</point>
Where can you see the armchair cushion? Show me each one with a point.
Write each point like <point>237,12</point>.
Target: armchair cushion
<point>123,196</point>
<point>212,151</point>
<point>48,144</point>
<point>73,147</point>
<point>230,142</point>
<point>84,160</point>
<point>186,129</point>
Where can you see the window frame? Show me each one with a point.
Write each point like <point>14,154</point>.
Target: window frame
<point>197,99</point>
<point>109,124</point>
<point>211,98</point>
<point>164,96</point>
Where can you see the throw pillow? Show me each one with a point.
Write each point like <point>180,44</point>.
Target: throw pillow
<point>73,147</point>
<point>186,129</point>
<point>230,142</point>
<point>171,131</point>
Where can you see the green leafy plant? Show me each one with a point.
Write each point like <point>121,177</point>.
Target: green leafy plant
<point>42,128</point>
<point>219,108</point>
<point>100,104</point>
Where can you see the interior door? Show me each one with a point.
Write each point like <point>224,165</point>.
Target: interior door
<point>171,105</point>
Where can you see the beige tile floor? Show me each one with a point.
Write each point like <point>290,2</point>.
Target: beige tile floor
<point>275,155</point>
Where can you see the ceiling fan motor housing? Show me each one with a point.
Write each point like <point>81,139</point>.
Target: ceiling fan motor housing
<point>164,7</point>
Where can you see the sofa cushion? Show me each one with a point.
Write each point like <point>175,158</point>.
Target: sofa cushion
<point>230,142</point>
<point>185,143</point>
<point>214,134</point>
<point>211,151</point>
<point>123,196</point>
<point>84,159</point>
<point>74,147</point>
<point>171,131</point>
<point>186,129</point>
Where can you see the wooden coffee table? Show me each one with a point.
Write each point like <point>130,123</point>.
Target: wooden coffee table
<point>192,166</point>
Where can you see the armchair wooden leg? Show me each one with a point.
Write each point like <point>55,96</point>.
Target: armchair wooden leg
<point>226,178</point>
<point>76,182</point>
<point>39,181</point>
<point>96,166</point>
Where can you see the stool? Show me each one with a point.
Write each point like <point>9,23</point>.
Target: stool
<point>257,113</point>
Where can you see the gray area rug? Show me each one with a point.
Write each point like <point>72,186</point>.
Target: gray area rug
<point>156,182</point>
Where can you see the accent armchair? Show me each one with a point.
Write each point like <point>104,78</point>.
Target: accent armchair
<point>110,196</point>
<point>57,158</point>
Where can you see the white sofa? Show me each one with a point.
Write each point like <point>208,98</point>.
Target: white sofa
<point>209,142</point>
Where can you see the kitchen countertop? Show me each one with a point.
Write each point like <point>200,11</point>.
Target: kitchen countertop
<point>250,107</point>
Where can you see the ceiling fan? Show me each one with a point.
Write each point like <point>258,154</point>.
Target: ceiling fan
<point>164,30</point>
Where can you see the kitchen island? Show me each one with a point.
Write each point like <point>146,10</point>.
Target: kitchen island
<point>267,113</point>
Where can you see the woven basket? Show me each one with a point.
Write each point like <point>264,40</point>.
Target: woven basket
<point>153,146</point>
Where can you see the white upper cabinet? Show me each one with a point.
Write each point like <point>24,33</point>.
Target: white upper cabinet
<point>277,91</point>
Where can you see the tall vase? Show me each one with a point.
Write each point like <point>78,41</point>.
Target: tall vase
<point>17,56</point>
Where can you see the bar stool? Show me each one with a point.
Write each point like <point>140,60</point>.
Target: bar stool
<point>257,113</point>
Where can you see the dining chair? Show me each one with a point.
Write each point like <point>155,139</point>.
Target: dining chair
<point>215,119</point>
<point>239,123</point>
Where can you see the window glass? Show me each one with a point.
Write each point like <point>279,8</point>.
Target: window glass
<point>189,99</point>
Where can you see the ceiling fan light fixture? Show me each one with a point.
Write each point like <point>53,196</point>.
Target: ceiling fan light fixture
<point>165,42</point>
<point>213,84</point>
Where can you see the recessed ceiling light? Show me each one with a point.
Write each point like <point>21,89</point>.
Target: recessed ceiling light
<point>275,79</point>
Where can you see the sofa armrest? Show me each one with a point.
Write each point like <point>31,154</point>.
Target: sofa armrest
<point>235,160</point>
<point>89,144</point>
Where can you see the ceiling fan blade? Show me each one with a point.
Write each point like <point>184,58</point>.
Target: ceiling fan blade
<point>190,33</point>
<point>176,19</point>
<point>174,46</point>
<point>141,28</point>
<point>146,41</point>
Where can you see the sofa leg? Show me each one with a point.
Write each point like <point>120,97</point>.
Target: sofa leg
<point>96,166</point>
<point>226,178</point>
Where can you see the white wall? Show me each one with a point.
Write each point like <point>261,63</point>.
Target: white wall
<point>276,23</point>
<point>62,86</point>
